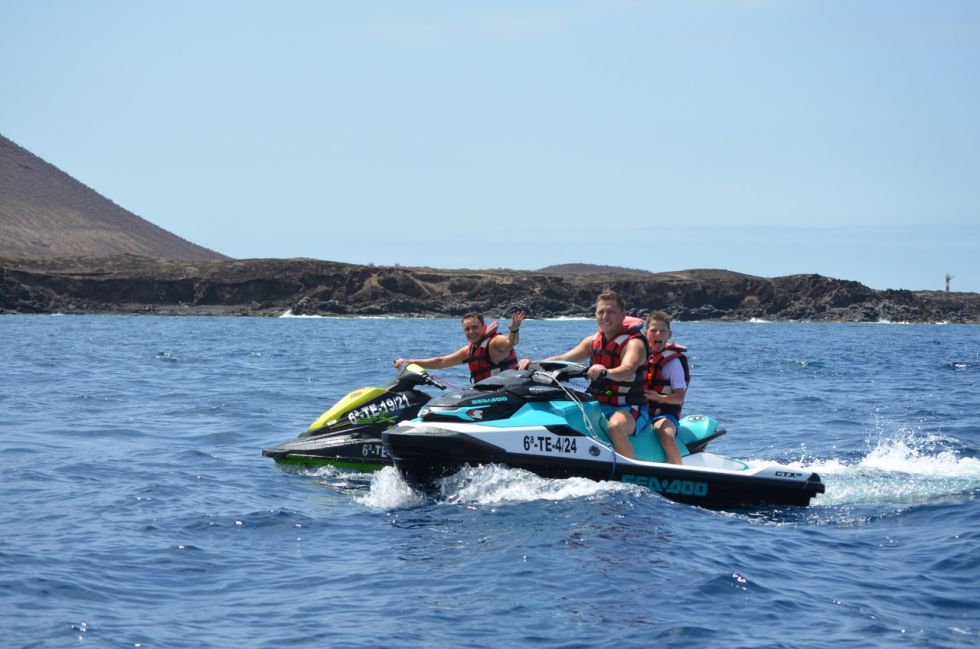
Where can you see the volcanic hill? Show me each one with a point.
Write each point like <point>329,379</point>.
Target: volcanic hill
<point>44,212</point>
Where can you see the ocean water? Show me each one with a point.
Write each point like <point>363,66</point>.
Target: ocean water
<point>138,511</point>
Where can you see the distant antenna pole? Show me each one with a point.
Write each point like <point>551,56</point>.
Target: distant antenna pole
<point>948,278</point>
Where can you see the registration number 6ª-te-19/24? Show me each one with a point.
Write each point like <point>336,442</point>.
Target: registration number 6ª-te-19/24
<point>548,444</point>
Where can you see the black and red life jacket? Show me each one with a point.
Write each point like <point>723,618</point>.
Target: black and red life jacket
<point>478,356</point>
<point>609,353</point>
<point>656,381</point>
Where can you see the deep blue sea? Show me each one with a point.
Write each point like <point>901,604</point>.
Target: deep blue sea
<point>138,511</point>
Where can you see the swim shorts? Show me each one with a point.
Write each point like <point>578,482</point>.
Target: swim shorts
<point>640,414</point>
<point>672,418</point>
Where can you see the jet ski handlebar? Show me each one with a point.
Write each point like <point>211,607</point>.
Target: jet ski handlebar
<point>417,371</point>
<point>436,384</point>
<point>557,370</point>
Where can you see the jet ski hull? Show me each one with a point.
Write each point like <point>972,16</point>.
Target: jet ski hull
<point>351,451</point>
<point>424,452</point>
<point>348,434</point>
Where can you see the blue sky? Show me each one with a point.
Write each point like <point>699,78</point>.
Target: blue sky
<point>765,137</point>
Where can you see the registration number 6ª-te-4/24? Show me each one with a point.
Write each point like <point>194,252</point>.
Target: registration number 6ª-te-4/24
<point>548,444</point>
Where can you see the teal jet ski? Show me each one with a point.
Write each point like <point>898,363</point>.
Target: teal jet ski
<point>530,419</point>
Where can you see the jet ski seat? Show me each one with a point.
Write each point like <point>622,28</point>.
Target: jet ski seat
<point>694,434</point>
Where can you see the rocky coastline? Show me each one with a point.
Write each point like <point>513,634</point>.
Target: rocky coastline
<point>128,284</point>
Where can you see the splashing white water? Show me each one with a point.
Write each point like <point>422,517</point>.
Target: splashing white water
<point>497,485</point>
<point>483,485</point>
<point>389,491</point>
<point>898,471</point>
<point>907,470</point>
<point>289,314</point>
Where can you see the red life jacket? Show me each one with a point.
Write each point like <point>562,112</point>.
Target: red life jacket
<point>608,353</point>
<point>657,382</point>
<point>478,356</point>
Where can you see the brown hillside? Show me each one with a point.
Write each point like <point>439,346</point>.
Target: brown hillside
<point>44,212</point>
<point>591,269</point>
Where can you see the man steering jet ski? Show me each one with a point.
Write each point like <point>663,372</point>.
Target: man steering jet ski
<point>528,418</point>
<point>618,354</point>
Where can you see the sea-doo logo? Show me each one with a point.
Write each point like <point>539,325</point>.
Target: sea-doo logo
<point>488,400</point>
<point>665,486</point>
<point>475,414</point>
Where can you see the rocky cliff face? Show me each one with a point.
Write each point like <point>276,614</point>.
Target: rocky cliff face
<point>130,284</point>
